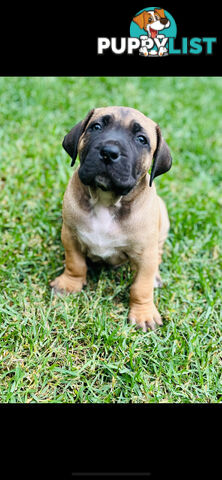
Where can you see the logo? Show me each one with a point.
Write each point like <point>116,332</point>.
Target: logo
<point>153,31</point>
<point>154,27</point>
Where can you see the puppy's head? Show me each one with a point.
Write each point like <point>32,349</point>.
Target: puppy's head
<point>152,21</point>
<point>116,146</point>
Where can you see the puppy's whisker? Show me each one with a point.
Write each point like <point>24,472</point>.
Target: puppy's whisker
<point>117,202</point>
<point>93,199</point>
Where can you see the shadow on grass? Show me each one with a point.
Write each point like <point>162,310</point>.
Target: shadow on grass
<point>116,281</point>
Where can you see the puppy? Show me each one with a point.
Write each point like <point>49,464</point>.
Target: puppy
<point>111,211</point>
<point>153,21</point>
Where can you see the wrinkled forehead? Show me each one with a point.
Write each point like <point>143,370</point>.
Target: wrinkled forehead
<point>126,117</point>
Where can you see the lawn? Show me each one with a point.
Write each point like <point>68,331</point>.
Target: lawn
<point>80,348</point>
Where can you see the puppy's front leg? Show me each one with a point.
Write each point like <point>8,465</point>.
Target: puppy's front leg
<point>74,276</point>
<point>143,312</point>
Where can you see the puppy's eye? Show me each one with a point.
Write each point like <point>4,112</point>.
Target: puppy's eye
<point>96,126</point>
<point>141,139</point>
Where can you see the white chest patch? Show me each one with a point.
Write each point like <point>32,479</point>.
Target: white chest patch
<point>101,234</point>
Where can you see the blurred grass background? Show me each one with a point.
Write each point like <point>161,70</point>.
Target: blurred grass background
<point>80,348</point>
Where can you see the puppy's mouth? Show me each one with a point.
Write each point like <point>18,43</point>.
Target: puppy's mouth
<point>103,182</point>
<point>153,32</point>
<point>107,184</point>
<point>159,26</point>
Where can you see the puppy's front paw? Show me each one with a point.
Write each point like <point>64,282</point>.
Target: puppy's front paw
<point>66,284</point>
<point>143,51</point>
<point>144,316</point>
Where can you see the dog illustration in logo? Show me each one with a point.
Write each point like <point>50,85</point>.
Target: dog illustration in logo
<point>153,21</point>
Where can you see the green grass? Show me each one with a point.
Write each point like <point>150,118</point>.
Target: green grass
<point>80,348</point>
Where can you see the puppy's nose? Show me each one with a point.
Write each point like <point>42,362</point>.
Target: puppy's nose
<point>164,20</point>
<point>110,153</point>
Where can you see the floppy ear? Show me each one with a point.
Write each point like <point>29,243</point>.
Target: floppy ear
<point>160,12</point>
<point>141,19</point>
<point>162,159</point>
<point>70,142</point>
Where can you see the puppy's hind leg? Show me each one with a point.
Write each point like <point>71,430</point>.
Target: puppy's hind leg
<point>164,225</point>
